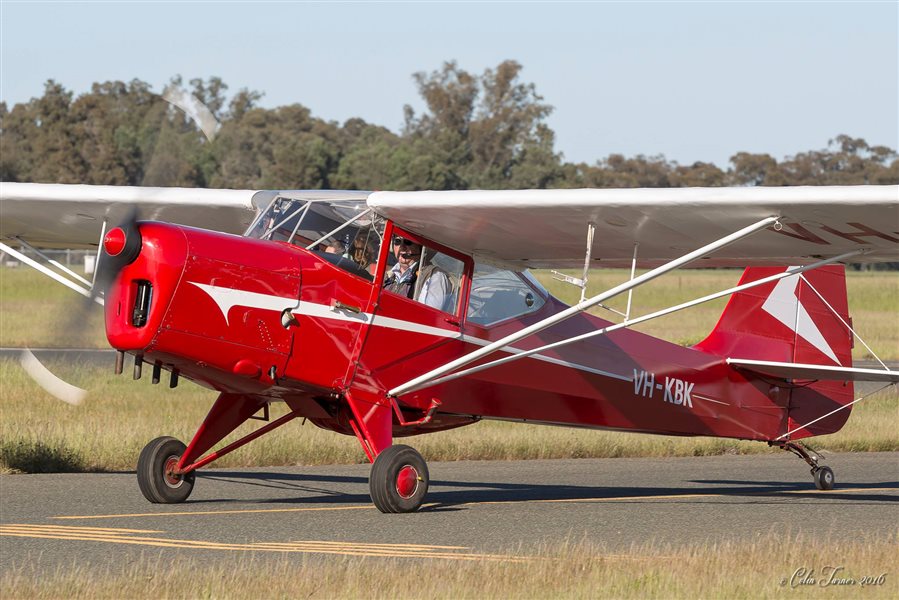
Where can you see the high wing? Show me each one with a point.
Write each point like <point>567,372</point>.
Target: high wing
<point>520,229</point>
<point>548,228</point>
<point>71,216</point>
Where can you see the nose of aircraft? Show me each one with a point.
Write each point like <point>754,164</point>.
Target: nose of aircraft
<point>143,264</point>
<point>121,247</point>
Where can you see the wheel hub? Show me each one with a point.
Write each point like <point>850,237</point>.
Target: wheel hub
<point>407,481</point>
<point>171,479</point>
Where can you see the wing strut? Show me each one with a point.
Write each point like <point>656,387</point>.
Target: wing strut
<point>55,263</point>
<point>845,324</point>
<point>430,376</point>
<point>629,323</point>
<point>630,292</point>
<point>582,281</point>
<point>845,406</point>
<point>51,274</point>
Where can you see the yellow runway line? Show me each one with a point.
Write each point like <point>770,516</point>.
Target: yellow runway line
<point>125,536</point>
<point>99,530</point>
<point>376,545</point>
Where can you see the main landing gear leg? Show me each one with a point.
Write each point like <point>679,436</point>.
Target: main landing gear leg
<point>823,476</point>
<point>399,475</point>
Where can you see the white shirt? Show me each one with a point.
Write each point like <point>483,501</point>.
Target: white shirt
<point>435,290</point>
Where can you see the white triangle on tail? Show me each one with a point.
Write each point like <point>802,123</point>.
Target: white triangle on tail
<point>783,304</point>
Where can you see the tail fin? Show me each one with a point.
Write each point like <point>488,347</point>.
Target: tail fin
<point>798,319</point>
<point>787,320</point>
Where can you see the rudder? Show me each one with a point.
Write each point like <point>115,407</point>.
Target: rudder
<point>798,319</point>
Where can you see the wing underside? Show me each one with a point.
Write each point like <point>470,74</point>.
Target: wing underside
<point>71,216</point>
<point>548,228</point>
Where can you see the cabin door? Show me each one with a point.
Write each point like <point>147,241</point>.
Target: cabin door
<point>417,323</point>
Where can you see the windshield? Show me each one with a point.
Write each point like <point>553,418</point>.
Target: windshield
<point>344,231</point>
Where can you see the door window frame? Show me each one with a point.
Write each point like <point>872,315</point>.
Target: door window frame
<point>464,278</point>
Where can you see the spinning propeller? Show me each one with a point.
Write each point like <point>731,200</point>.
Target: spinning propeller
<point>120,247</point>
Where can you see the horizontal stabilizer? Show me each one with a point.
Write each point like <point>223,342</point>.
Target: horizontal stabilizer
<point>784,370</point>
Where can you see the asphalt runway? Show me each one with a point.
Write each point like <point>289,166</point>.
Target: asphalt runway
<point>490,510</point>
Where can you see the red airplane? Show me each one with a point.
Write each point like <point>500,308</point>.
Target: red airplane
<point>392,314</point>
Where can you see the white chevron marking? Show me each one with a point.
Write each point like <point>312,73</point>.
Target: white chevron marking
<point>783,304</point>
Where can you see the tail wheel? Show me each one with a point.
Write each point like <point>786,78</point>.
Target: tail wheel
<point>824,479</point>
<point>399,480</point>
<point>155,472</point>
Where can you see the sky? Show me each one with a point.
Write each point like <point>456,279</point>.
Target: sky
<point>691,81</point>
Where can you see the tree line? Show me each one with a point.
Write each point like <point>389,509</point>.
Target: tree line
<point>484,131</point>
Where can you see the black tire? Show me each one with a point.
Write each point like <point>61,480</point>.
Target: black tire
<point>824,479</point>
<point>399,480</point>
<point>155,485</point>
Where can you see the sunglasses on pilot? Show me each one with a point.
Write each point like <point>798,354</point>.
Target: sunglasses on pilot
<point>403,241</point>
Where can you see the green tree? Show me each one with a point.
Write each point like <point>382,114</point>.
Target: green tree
<point>477,131</point>
<point>755,169</point>
<point>482,130</point>
<point>367,157</point>
<point>49,142</point>
<point>699,174</point>
<point>845,161</point>
<point>618,171</point>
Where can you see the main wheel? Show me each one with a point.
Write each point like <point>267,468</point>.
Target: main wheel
<point>399,480</point>
<point>823,477</point>
<point>154,472</point>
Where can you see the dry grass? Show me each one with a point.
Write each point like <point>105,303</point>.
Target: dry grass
<point>33,313</point>
<point>41,434</point>
<point>763,568</point>
<point>873,300</point>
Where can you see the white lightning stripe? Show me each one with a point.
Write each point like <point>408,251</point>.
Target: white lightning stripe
<point>416,327</point>
<point>784,305</point>
<point>227,298</point>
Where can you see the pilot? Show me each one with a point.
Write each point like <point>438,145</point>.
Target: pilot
<point>402,277</point>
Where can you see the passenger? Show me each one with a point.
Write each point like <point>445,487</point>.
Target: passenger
<point>402,277</point>
<point>436,288</point>
<point>362,254</point>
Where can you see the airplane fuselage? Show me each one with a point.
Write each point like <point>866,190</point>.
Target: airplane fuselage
<point>275,322</point>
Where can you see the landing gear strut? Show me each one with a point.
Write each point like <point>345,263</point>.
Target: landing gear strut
<point>155,472</point>
<point>399,480</point>
<point>823,476</point>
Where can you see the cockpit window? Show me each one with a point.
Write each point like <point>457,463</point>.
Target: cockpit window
<point>344,232</point>
<point>497,295</point>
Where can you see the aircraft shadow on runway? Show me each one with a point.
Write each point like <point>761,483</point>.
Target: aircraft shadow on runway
<point>320,489</point>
